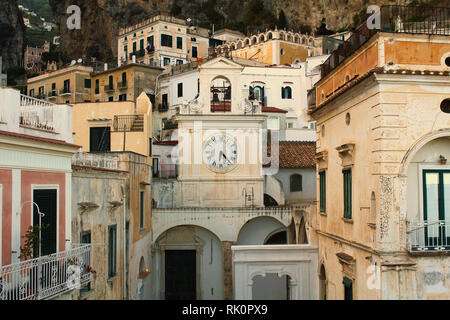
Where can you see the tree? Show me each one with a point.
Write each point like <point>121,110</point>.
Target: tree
<point>282,21</point>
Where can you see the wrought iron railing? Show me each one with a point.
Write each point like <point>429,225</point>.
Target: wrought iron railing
<point>166,171</point>
<point>47,276</point>
<point>109,87</point>
<point>429,236</point>
<point>36,113</point>
<point>163,107</point>
<point>64,91</point>
<point>122,85</point>
<point>398,19</point>
<point>129,123</point>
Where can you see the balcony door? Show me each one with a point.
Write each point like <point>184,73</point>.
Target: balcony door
<point>47,202</point>
<point>436,195</point>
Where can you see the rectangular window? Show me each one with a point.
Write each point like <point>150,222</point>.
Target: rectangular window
<point>166,40</point>
<point>41,92</point>
<point>150,147</point>
<point>165,100</point>
<point>180,90</point>
<point>112,251</point>
<point>150,42</point>
<point>323,191</point>
<point>348,288</point>
<point>125,50</point>
<point>134,47</point>
<point>347,173</point>
<point>32,93</point>
<point>99,140</point>
<point>67,86</point>
<point>111,99</point>
<point>436,207</point>
<point>141,209</point>
<point>141,44</point>
<point>155,167</point>
<point>179,43</point>
<point>194,52</point>
<point>179,62</point>
<point>97,86</point>
<point>166,61</point>
<point>123,97</point>
<point>87,83</point>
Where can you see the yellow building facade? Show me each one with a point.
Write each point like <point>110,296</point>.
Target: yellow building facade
<point>162,41</point>
<point>124,83</point>
<point>64,86</point>
<point>114,126</point>
<point>272,47</point>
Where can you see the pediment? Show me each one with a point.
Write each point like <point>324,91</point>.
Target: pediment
<point>221,63</point>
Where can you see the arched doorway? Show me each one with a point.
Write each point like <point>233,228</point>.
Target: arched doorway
<point>259,230</point>
<point>199,252</point>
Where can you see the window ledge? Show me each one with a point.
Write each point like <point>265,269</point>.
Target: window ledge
<point>323,213</point>
<point>372,225</point>
<point>347,220</point>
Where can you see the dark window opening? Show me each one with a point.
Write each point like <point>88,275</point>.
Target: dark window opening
<point>100,139</point>
<point>445,106</point>
<point>112,251</point>
<point>296,183</point>
<point>180,89</point>
<point>194,52</point>
<point>179,43</point>
<point>141,209</point>
<point>323,190</point>
<point>348,288</point>
<point>347,173</point>
<point>166,40</point>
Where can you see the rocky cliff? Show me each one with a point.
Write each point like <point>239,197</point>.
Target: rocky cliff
<point>11,34</point>
<point>102,18</point>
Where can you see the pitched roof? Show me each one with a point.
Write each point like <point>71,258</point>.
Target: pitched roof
<point>41,139</point>
<point>296,154</point>
<point>273,109</point>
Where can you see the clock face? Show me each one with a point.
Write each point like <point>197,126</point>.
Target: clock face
<point>220,152</point>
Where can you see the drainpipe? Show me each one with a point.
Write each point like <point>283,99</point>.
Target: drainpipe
<point>124,243</point>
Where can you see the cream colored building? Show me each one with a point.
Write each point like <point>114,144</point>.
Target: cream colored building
<point>383,128</point>
<point>274,47</point>
<point>227,35</point>
<point>161,41</point>
<point>214,204</point>
<point>68,85</point>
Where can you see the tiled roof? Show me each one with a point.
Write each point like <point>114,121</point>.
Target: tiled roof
<point>272,109</point>
<point>296,154</point>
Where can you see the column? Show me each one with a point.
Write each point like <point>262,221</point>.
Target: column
<point>227,270</point>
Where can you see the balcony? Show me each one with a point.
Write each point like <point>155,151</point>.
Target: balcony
<point>108,88</point>
<point>166,171</point>
<point>429,236</point>
<point>65,91</point>
<point>129,123</point>
<point>394,19</point>
<point>221,106</point>
<point>36,114</point>
<point>52,94</point>
<point>122,85</point>
<point>46,277</point>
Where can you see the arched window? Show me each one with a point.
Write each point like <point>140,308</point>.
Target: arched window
<point>220,94</point>
<point>286,92</point>
<point>247,42</point>
<point>256,93</point>
<point>269,36</point>
<point>261,38</point>
<point>296,183</point>
<point>254,39</point>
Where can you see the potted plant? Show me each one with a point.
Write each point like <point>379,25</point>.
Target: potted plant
<point>442,159</point>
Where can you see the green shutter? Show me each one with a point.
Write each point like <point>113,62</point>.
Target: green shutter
<point>347,173</point>
<point>323,189</point>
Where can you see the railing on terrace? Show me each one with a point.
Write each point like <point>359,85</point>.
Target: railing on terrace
<point>134,123</point>
<point>399,19</point>
<point>36,113</point>
<point>47,276</point>
<point>429,236</point>
<point>166,171</point>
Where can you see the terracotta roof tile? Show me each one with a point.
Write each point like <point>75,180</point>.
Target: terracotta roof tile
<point>296,154</point>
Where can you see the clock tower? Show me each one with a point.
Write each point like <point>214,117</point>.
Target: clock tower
<point>220,142</point>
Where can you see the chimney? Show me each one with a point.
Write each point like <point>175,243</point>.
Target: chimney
<point>106,67</point>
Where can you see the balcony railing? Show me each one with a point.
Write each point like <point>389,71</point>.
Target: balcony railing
<point>166,171</point>
<point>64,91</point>
<point>121,85</point>
<point>47,276</point>
<point>222,106</point>
<point>429,236</point>
<point>108,88</point>
<point>397,19</point>
<point>134,123</point>
<point>36,113</point>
